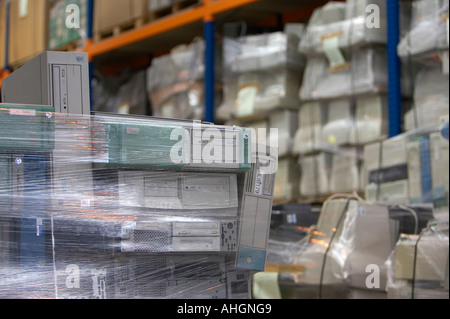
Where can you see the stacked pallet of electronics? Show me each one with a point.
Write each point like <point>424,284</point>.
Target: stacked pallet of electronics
<point>343,97</point>
<point>261,79</point>
<point>175,82</point>
<point>110,206</point>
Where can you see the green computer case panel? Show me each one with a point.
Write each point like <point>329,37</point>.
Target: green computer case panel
<point>27,127</point>
<point>144,146</point>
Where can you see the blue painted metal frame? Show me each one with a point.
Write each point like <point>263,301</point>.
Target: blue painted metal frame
<point>209,33</point>
<point>394,67</point>
<point>90,32</point>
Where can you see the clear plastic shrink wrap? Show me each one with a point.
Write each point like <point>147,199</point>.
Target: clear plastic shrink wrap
<point>341,122</point>
<point>314,176</point>
<point>124,94</point>
<point>346,25</point>
<point>364,72</point>
<point>113,206</point>
<point>418,267</point>
<point>261,72</point>
<point>430,98</point>
<point>411,168</point>
<point>311,118</point>
<point>290,223</point>
<point>350,235</point>
<point>428,32</point>
<point>349,252</point>
<point>175,82</point>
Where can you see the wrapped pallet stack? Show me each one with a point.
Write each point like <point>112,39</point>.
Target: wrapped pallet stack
<point>175,82</point>
<point>343,96</point>
<point>262,76</point>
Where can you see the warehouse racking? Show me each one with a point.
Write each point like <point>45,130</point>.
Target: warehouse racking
<point>177,26</point>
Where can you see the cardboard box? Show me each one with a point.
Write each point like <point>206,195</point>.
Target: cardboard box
<point>28,32</point>
<point>111,13</point>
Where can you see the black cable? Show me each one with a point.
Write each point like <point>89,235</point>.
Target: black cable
<point>335,230</point>
<point>414,264</point>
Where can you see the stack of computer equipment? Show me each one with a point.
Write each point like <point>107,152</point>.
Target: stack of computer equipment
<point>97,205</point>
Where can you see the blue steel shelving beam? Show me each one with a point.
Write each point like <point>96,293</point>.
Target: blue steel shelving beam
<point>394,67</point>
<point>89,33</point>
<point>210,52</point>
<point>209,31</point>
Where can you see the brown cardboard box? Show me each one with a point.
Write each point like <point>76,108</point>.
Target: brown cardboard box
<point>28,30</point>
<point>2,33</point>
<point>111,13</point>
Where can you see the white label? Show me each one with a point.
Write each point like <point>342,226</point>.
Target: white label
<point>124,108</point>
<point>22,112</point>
<point>331,49</point>
<point>23,8</point>
<point>259,182</point>
<point>246,100</point>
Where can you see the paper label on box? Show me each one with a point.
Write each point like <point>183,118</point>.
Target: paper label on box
<point>331,48</point>
<point>168,110</point>
<point>23,8</point>
<point>246,100</point>
<point>124,108</point>
<point>259,182</point>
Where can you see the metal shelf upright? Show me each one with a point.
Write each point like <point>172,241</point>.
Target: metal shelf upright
<point>394,68</point>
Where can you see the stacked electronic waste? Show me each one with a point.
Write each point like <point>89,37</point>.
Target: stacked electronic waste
<point>348,253</point>
<point>261,78</point>
<point>175,82</point>
<point>343,96</point>
<point>419,264</point>
<point>391,240</point>
<point>111,206</point>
